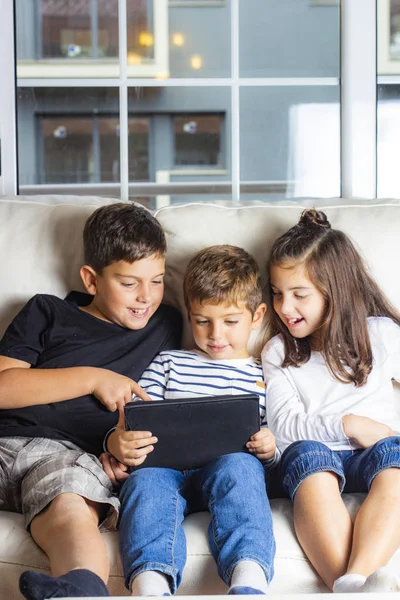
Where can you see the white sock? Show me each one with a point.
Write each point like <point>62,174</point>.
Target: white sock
<point>248,573</point>
<point>350,582</point>
<point>150,583</point>
<point>382,580</point>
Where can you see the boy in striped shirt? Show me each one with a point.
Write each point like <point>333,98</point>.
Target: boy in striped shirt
<point>223,297</point>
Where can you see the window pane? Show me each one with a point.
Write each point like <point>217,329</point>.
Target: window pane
<point>199,40</point>
<point>388,141</point>
<point>68,135</point>
<point>290,140</point>
<point>394,48</point>
<point>289,38</point>
<point>197,140</point>
<point>188,143</point>
<point>67,150</point>
<point>107,135</point>
<point>140,30</point>
<point>187,133</point>
<point>67,29</point>
<point>138,149</point>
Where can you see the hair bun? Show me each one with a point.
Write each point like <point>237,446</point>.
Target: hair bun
<point>310,216</point>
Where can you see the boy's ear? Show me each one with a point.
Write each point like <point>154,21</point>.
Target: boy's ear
<point>259,315</point>
<point>89,278</point>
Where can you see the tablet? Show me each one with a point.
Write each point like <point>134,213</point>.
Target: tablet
<point>192,432</point>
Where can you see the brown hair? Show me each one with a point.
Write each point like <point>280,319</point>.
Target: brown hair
<point>121,232</point>
<point>337,270</point>
<point>223,274</point>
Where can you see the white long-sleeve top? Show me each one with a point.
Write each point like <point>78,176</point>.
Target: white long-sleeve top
<point>308,403</point>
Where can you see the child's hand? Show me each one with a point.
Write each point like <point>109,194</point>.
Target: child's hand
<point>365,431</point>
<point>116,471</point>
<point>113,389</point>
<point>129,447</point>
<point>262,444</point>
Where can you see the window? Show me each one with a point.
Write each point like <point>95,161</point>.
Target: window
<point>77,143</point>
<point>139,160</point>
<point>83,148</point>
<point>197,140</point>
<point>388,37</point>
<point>169,101</point>
<point>68,150</point>
<point>388,98</point>
<point>77,30</point>
<point>65,38</point>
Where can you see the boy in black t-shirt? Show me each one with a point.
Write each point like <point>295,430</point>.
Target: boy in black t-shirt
<point>65,366</point>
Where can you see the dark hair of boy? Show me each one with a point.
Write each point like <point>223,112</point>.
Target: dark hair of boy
<point>223,275</point>
<point>121,231</point>
<point>337,270</point>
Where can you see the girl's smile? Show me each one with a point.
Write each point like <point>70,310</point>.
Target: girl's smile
<point>297,302</point>
<point>292,323</point>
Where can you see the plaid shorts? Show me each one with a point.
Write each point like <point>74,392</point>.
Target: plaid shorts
<point>34,471</point>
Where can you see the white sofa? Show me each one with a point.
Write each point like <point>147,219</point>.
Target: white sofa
<point>41,251</point>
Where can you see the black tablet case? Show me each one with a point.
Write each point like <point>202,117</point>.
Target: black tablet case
<point>192,432</point>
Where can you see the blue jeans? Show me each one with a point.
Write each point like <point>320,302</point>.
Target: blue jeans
<point>356,469</point>
<point>155,501</point>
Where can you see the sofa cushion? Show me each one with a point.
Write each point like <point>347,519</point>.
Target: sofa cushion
<point>41,246</point>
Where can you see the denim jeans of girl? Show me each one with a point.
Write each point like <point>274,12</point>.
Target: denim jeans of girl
<point>356,469</point>
<point>154,502</point>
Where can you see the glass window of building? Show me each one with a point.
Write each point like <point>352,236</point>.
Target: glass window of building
<point>197,140</point>
<point>388,99</point>
<point>155,101</point>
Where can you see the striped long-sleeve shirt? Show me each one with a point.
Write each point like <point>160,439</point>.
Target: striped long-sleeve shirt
<point>181,374</point>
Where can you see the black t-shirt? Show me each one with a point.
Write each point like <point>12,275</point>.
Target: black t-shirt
<point>51,333</point>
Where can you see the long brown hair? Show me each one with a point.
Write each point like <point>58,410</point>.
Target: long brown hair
<point>337,270</point>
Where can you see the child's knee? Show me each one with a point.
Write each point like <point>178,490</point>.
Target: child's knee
<point>303,459</point>
<point>239,463</point>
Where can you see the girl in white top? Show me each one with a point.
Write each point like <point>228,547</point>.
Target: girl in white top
<point>330,403</point>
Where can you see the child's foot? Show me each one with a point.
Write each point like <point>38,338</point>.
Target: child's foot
<point>74,584</point>
<point>150,583</point>
<point>248,577</point>
<point>243,590</point>
<point>382,580</point>
<point>350,582</point>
